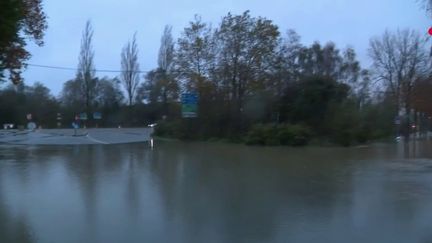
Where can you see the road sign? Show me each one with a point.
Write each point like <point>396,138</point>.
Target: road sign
<point>189,105</point>
<point>189,111</point>
<point>97,115</point>
<point>31,126</point>
<point>189,98</point>
<point>397,120</point>
<point>83,116</point>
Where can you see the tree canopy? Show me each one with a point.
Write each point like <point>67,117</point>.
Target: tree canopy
<point>20,20</point>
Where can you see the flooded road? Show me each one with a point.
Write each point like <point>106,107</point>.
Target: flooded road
<point>203,192</point>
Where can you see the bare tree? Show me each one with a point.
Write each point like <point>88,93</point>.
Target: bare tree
<point>427,5</point>
<point>166,50</point>
<point>86,69</point>
<point>160,84</point>
<point>130,69</point>
<point>399,59</point>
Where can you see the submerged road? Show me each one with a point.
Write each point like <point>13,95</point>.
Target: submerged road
<point>83,136</point>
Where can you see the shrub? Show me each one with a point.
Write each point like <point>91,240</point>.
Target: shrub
<point>293,135</point>
<point>256,135</point>
<point>344,137</point>
<point>286,134</point>
<point>168,129</point>
<point>181,129</point>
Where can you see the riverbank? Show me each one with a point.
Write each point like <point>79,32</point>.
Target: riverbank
<point>271,134</point>
<point>319,143</point>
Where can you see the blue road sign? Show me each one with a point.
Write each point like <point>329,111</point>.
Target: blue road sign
<point>189,105</point>
<point>189,98</point>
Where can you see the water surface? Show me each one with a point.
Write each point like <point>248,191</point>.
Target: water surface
<point>203,192</point>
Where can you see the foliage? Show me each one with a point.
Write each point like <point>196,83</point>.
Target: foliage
<point>18,101</point>
<point>108,100</point>
<point>20,20</point>
<point>158,86</point>
<point>399,59</point>
<point>309,100</point>
<point>175,129</point>
<point>109,94</point>
<point>283,134</point>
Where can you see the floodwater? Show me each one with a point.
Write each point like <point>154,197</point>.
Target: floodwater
<point>204,192</point>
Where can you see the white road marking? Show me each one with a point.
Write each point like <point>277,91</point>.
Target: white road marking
<point>96,140</point>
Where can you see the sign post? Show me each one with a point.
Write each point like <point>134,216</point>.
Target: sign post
<point>75,124</point>
<point>83,117</point>
<point>30,124</point>
<point>59,118</point>
<point>97,116</point>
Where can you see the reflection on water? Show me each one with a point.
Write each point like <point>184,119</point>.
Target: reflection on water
<point>198,192</point>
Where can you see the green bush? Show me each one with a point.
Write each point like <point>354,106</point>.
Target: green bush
<point>170,129</point>
<point>180,129</point>
<point>344,137</point>
<point>271,135</point>
<point>293,135</point>
<point>256,135</point>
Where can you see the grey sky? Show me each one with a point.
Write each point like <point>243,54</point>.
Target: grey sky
<point>346,22</point>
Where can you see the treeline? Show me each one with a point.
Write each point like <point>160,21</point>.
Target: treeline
<point>258,85</point>
<point>16,101</point>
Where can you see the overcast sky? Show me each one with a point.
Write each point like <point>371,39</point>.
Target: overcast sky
<point>345,22</point>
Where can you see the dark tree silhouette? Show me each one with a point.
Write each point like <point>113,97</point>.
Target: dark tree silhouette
<point>86,75</point>
<point>130,69</point>
<point>20,20</point>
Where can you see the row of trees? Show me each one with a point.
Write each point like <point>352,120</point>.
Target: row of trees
<point>18,100</point>
<point>246,72</point>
